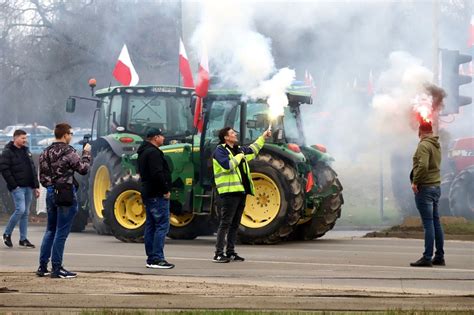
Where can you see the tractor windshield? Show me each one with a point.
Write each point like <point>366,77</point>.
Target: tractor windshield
<point>226,112</point>
<point>170,113</point>
<point>258,122</point>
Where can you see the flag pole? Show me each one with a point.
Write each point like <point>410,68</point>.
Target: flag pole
<point>180,34</point>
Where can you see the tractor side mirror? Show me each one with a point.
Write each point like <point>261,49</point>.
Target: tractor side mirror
<point>70,105</point>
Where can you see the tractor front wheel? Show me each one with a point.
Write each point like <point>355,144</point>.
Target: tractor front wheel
<point>104,172</point>
<point>125,214</point>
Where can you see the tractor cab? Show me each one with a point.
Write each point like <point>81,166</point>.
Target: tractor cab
<point>137,109</point>
<point>250,119</point>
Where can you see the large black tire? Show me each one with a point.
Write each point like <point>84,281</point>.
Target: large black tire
<point>189,226</point>
<point>104,172</point>
<point>461,194</point>
<point>124,212</point>
<point>400,169</point>
<point>82,216</point>
<point>268,219</point>
<point>329,209</point>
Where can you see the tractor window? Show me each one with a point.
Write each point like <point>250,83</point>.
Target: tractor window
<point>256,121</point>
<point>292,132</point>
<point>115,114</point>
<point>103,121</point>
<point>223,114</point>
<point>167,112</point>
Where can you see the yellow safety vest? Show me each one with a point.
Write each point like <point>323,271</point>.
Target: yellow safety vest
<point>230,180</point>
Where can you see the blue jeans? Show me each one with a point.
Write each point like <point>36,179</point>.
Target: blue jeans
<point>157,226</point>
<point>57,230</point>
<point>427,203</point>
<point>22,197</point>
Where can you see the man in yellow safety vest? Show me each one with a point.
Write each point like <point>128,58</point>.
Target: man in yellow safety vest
<point>233,183</point>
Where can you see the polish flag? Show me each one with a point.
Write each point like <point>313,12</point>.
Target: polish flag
<point>370,86</point>
<point>470,41</point>
<point>308,81</point>
<point>124,72</point>
<point>184,67</point>
<point>202,87</point>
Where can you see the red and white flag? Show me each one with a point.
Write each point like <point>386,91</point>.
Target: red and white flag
<point>370,85</point>
<point>124,71</point>
<point>184,67</point>
<point>470,41</point>
<point>202,87</point>
<point>309,81</point>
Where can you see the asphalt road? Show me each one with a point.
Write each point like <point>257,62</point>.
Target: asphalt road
<point>340,262</point>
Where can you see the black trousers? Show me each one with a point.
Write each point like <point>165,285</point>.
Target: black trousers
<point>231,209</point>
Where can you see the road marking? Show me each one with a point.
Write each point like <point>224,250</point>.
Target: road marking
<point>283,263</point>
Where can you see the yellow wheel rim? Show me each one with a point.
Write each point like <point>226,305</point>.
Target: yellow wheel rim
<point>101,185</point>
<point>129,210</point>
<point>264,207</point>
<point>181,220</point>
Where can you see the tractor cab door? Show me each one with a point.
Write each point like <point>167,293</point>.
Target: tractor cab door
<point>219,114</point>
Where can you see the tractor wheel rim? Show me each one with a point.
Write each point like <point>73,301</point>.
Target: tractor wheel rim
<point>181,220</point>
<point>101,185</point>
<point>264,207</point>
<point>129,210</point>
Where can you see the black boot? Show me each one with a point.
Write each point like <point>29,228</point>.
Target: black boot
<point>422,262</point>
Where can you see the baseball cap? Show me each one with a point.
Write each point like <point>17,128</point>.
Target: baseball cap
<point>154,132</point>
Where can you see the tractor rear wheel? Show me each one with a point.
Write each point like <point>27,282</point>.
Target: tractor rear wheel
<point>329,209</point>
<point>104,172</point>
<point>461,197</point>
<point>273,212</point>
<point>125,214</point>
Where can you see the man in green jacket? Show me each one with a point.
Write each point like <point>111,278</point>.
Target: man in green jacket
<point>233,183</point>
<point>425,183</point>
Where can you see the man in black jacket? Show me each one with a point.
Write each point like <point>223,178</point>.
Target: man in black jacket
<point>19,171</point>
<point>156,190</point>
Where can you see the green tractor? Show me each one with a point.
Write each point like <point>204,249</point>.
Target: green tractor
<point>297,194</point>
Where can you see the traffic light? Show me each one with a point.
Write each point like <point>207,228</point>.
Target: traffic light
<point>451,80</point>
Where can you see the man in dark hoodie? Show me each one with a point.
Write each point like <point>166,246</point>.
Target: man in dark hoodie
<point>58,162</point>
<point>156,191</point>
<point>19,171</point>
<point>425,183</point>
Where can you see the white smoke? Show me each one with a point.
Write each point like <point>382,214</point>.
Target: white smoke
<point>275,90</point>
<point>239,55</point>
<point>403,81</point>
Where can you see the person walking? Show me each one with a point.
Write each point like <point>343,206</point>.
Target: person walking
<point>58,162</point>
<point>425,183</point>
<point>155,176</point>
<point>19,172</point>
<point>233,182</point>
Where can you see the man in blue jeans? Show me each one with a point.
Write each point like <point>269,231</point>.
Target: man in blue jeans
<point>58,162</point>
<point>19,171</point>
<point>426,180</point>
<point>155,176</point>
